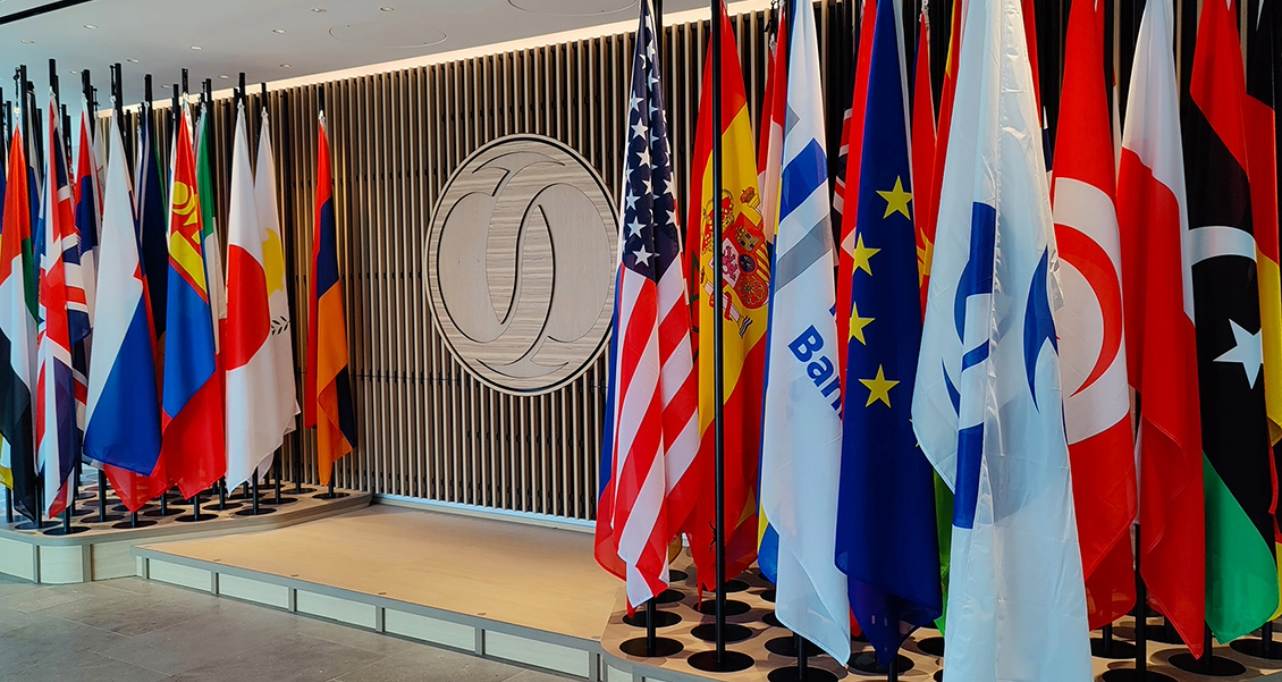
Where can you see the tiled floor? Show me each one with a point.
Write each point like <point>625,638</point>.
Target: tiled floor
<point>135,631</point>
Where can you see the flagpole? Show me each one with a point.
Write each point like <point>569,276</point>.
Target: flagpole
<point>718,422</point>
<point>278,459</point>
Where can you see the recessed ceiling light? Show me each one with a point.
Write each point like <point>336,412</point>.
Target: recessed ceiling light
<point>90,26</point>
<point>196,47</point>
<point>278,30</point>
<point>286,66</point>
<point>387,9</point>
<point>131,60</point>
<point>223,76</point>
<point>319,10</point>
<point>28,41</point>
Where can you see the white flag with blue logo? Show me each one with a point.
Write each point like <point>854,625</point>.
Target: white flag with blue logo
<point>801,433</point>
<point>987,408</point>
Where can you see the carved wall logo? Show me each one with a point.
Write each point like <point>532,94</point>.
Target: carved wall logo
<point>520,263</point>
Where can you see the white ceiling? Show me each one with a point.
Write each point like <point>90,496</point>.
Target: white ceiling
<point>246,35</point>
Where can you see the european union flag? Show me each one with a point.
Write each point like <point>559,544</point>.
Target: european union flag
<point>886,537</point>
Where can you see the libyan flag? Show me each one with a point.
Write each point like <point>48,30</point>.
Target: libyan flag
<point>1241,569</point>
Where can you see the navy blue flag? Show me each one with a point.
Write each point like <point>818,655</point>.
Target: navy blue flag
<point>886,537</point>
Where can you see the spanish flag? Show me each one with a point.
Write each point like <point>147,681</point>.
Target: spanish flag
<point>327,386</point>
<point>744,260</point>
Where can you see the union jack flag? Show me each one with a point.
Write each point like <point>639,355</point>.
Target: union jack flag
<point>651,432</point>
<point>64,324</point>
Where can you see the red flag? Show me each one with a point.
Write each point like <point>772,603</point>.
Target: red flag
<point>925,203</point>
<point>1160,336</point>
<point>1092,355</point>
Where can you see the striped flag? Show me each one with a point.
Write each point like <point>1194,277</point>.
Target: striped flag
<point>18,332</point>
<point>801,442</point>
<point>743,260</point>
<point>64,326</point>
<point>1160,338</point>
<point>1241,569</point>
<point>327,391</point>
<point>652,423</point>
<point>1093,352</point>
<point>123,420</point>
<point>988,383</point>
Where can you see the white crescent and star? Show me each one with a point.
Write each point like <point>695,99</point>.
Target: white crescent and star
<point>1212,241</point>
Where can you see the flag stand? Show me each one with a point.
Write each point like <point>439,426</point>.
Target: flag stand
<point>718,659</point>
<point>1209,664</point>
<point>1264,647</point>
<point>651,645</point>
<point>1140,671</point>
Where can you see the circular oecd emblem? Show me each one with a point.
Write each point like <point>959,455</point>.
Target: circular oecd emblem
<point>520,264</point>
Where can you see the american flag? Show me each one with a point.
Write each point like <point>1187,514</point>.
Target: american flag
<point>651,435</point>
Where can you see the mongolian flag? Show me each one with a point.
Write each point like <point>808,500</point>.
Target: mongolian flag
<point>744,260</point>
<point>1161,353</point>
<point>1261,130</point>
<point>327,388</point>
<point>887,498</point>
<point>124,406</point>
<point>64,326</point>
<point>192,452</point>
<point>18,333</point>
<point>652,429</point>
<point>1241,569</point>
<point>1097,413</point>
<point>769,169</point>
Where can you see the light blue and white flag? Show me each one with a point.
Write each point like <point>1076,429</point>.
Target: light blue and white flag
<point>801,439</point>
<point>987,408</point>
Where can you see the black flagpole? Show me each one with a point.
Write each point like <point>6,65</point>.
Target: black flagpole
<point>719,493</point>
<point>651,608</point>
<point>6,133</point>
<point>278,459</point>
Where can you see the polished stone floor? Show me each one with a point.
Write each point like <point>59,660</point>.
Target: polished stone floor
<point>130,630</point>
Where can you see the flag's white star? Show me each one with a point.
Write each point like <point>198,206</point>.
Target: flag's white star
<point>1246,351</point>
<point>672,217</point>
<point>639,129</point>
<point>643,158</point>
<point>642,255</point>
<point>634,102</point>
<point>634,228</point>
<point>630,200</point>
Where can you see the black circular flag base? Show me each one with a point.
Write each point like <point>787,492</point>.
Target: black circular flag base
<point>271,499</point>
<point>299,490</point>
<point>708,607</point>
<point>63,530</point>
<point>675,576</point>
<point>792,674</point>
<point>728,662</point>
<point>1163,633</point>
<point>110,518</point>
<point>1130,675</point>
<point>733,632</point>
<point>663,647</point>
<point>123,508</point>
<point>1256,648</point>
<point>262,511</point>
<point>662,619</point>
<point>866,663</point>
<point>158,512</point>
<point>1115,649</point>
<point>736,586</point>
<point>86,510</point>
<point>772,620</point>
<point>932,646</point>
<point>670,596</point>
<point>768,595</point>
<point>192,518</point>
<point>1218,666</point>
<point>30,525</point>
<point>939,676</point>
<point>330,496</point>
<point>787,646</point>
<point>125,525</point>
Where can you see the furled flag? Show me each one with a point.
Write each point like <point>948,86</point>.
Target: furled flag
<point>1261,131</point>
<point>1097,406</point>
<point>1241,570</point>
<point>88,203</point>
<point>124,407</point>
<point>18,332</point>
<point>327,385</point>
<point>192,451</point>
<point>744,260</point>
<point>923,153</point>
<point>282,338</point>
<point>652,426</point>
<point>769,168</point>
<point>1161,348</point>
<point>852,254</point>
<point>64,325</point>
<point>801,441</point>
<point>256,414</point>
<point>987,406</point>
<point>153,227</point>
<point>886,537</point>
<point>210,248</point>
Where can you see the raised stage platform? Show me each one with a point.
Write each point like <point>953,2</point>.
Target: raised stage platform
<point>511,591</point>
<point>103,550</point>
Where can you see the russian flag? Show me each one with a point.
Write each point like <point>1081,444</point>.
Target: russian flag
<point>123,418</point>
